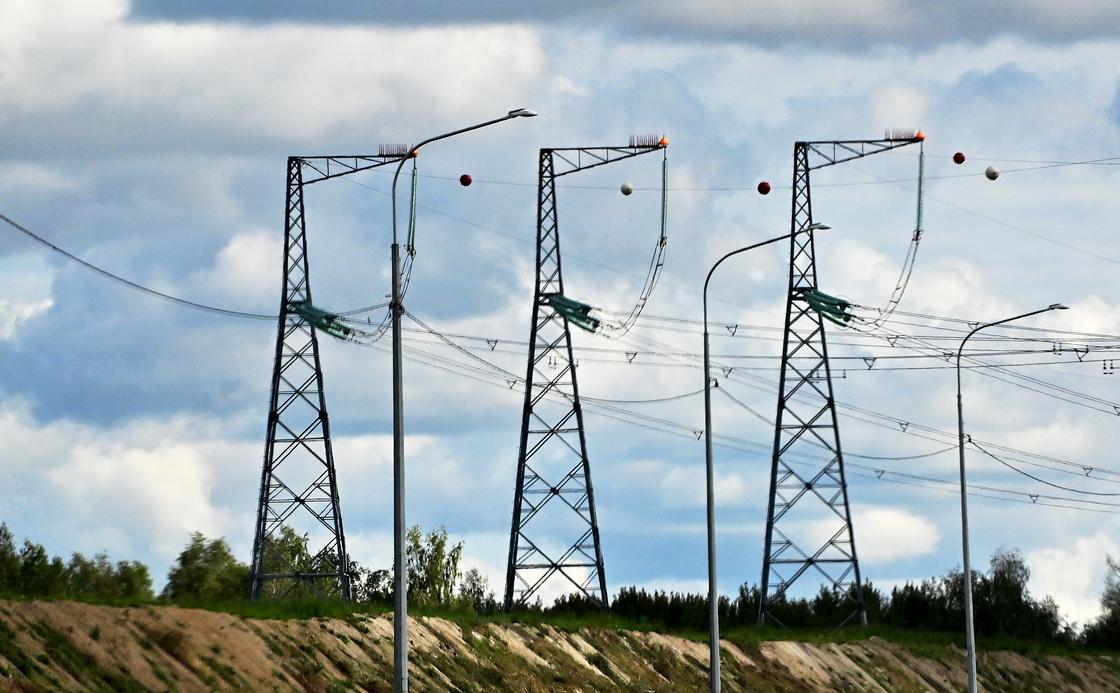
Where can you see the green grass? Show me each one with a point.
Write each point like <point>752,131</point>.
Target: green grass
<point>82,666</point>
<point>287,610</point>
<point>569,623</point>
<point>226,672</point>
<point>927,643</point>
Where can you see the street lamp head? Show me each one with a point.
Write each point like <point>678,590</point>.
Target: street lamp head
<point>818,226</point>
<point>1057,306</point>
<point>522,113</point>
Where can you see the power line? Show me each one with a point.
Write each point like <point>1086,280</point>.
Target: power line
<point>1031,476</point>
<point>492,343</point>
<point>660,421</point>
<point>899,424</point>
<point>131,284</point>
<point>974,494</point>
<point>999,222</point>
<point>681,430</point>
<point>128,283</point>
<point>1053,390</point>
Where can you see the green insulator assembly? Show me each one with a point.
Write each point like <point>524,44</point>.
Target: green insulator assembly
<point>573,311</point>
<point>834,309</point>
<point>322,320</point>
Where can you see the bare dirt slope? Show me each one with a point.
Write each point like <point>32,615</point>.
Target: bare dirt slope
<point>72,646</point>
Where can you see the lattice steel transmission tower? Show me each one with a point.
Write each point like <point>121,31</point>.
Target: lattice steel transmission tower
<point>553,471</point>
<point>806,415</point>
<point>298,487</point>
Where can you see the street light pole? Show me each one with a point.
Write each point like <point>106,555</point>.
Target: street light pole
<point>713,592</point>
<point>970,638</point>
<point>396,309</point>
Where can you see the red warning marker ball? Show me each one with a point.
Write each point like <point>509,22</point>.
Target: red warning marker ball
<point>465,179</point>
<point>958,158</point>
<point>764,188</point>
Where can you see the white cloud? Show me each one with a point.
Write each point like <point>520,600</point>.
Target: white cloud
<point>137,491</point>
<point>111,71</point>
<point>12,314</point>
<point>903,104</point>
<point>1073,573</point>
<point>686,487</point>
<point>247,270</point>
<point>884,534</point>
<point>31,179</point>
<point>887,534</point>
<point>166,488</point>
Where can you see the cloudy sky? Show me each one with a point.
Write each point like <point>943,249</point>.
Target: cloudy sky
<point>150,138</point>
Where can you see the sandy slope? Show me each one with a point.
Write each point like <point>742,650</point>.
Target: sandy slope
<point>66,645</point>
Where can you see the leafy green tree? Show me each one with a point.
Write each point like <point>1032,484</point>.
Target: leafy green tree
<point>371,586</point>
<point>432,564</point>
<point>9,562</point>
<point>287,551</point>
<point>475,593</point>
<point>433,567</point>
<point>134,581</point>
<point>1002,605</point>
<point>94,579</point>
<point>32,572</point>
<point>1005,607</point>
<point>1110,600</point>
<point>99,579</point>
<point>39,574</point>
<point>1105,631</point>
<point>206,570</point>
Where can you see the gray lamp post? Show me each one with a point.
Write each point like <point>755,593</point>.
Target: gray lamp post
<point>400,574</point>
<point>970,638</point>
<point>713,592</point>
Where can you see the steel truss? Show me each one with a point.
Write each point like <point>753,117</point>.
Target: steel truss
<point>553,471</point>
<point>806,415</point>
<point>298,441</point>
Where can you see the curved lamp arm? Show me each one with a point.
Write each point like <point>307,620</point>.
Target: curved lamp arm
<point>516,113</point>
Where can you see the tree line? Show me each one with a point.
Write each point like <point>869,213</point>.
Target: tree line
<point>206,572</point>
<point>30,572</point>
<point>1002,607</point>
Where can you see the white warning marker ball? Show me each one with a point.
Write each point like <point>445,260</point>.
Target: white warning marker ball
<point>991,172</point>
<point>626,188</point>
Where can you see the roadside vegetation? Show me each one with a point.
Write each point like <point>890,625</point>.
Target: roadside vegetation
<point>929,613</point>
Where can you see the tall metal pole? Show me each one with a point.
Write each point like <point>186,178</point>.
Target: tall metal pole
<point>713,591</point>
<point>970,638</point>
<point>396,308</point>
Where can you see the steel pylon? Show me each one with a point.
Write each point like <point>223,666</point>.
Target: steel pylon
<point>299,491</point>
<point>808,520</point>
<point>553,469</point>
